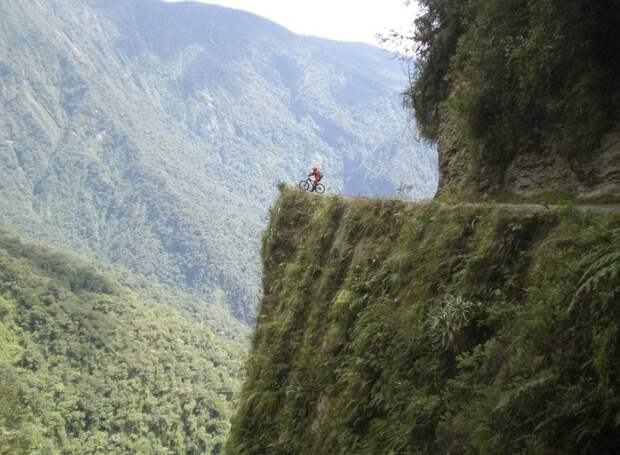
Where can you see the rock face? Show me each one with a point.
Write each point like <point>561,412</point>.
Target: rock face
<point>529,174</point>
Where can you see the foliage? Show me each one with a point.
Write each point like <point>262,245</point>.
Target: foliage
<point>446,322</point>
<point>368,341</point>
<point>519,75</point>
<point>87,366</point>
<point>13,440</point>
<point>601,277</point>
<point>437,32</point>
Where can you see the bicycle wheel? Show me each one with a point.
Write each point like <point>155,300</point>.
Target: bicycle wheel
<point>320,189</point>
<point>304,185</point>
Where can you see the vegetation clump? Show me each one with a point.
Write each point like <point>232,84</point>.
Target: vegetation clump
<point>523,73</point>
<point>396,328</point>
<point>446,322</point>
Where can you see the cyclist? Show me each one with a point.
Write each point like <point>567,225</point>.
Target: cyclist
<point>317,177</point>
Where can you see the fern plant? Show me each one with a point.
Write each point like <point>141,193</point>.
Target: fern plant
<point>448,321</point>
<point>600,279</point>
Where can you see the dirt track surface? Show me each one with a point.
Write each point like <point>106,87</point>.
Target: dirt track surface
<point>601,209</point>
<point>534,208</point>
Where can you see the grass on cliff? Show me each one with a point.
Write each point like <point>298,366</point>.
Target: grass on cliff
<point>395,328</point>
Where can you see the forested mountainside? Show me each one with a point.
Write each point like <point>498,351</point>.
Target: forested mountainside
<point>88,366</point>
<point>151,134</point>
<point>523,97</point>
<point>395,328</point>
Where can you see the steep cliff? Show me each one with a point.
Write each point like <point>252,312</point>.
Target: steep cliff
<point>395,328</point>
<point>523,97</point>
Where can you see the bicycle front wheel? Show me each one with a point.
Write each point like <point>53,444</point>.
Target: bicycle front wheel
<point>304,185</point>
<point>320,189</point>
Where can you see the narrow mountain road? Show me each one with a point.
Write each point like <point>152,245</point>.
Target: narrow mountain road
<point>534,208</point>
<point>602,209</point>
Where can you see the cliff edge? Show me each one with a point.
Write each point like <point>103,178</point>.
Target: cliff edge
<point>396,328</point>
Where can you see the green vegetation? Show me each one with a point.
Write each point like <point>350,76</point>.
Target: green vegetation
<point>395,328</point>
<point>87,366</point>
<point>523,73</point>
<point>447,322</point>
<point>500,79</point>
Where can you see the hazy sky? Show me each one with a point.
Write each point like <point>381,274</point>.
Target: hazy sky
<point>348,20</point>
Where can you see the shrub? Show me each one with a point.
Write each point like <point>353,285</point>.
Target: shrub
<point>448,321</point>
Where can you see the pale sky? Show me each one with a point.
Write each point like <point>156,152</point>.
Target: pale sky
<point>345,20</point>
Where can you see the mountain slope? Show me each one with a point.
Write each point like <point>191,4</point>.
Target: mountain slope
<point>151,134</point>
<point>388,327</point>
<point>87,366</point>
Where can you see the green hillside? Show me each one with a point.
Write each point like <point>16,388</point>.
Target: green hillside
<point>151,135</point>
<point>394,328</point>
<point>89,367</point>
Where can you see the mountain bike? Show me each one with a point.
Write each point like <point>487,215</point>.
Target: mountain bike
<point>306,185</point>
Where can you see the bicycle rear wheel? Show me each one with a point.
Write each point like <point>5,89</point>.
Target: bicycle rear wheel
<point>304,185</point>
<point>320,189</point>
